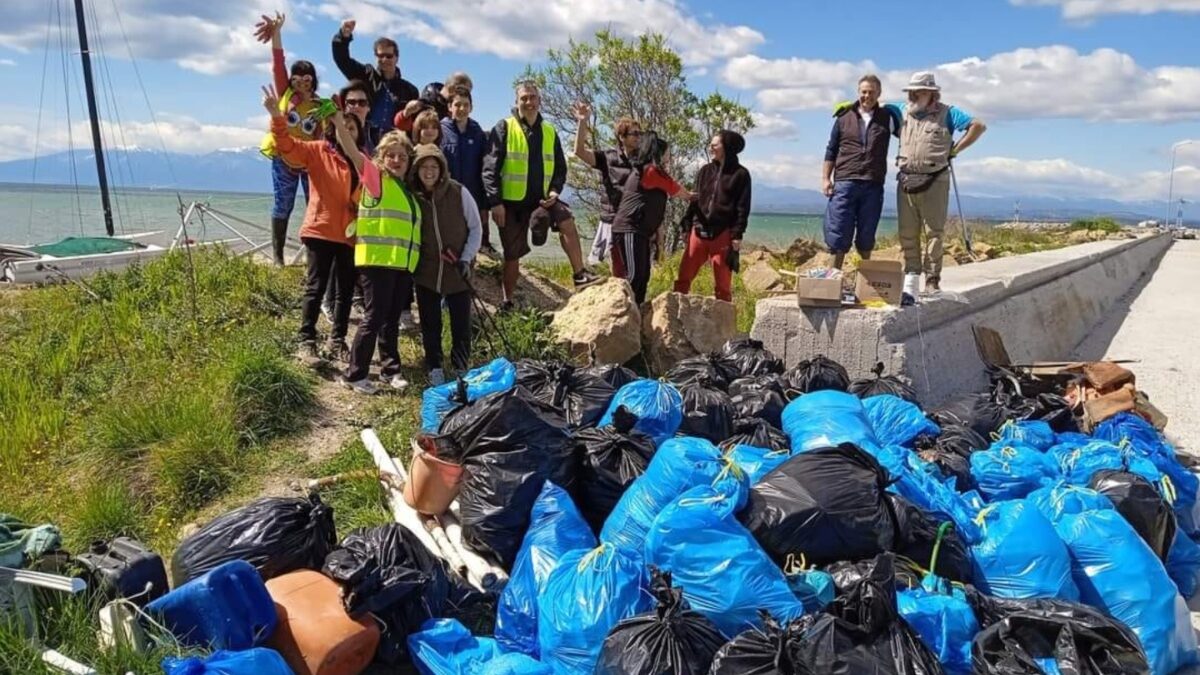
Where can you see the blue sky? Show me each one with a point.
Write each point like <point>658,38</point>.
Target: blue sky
<point>1082,97</point>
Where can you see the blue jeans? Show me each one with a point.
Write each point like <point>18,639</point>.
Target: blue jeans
<point>284,180</point>
<point>853,216</point>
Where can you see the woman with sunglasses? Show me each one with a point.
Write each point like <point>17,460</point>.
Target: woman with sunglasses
<point>298,104</point>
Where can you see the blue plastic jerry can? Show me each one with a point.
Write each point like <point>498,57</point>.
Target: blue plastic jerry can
<point>257,661</point>
<point>226,608</point>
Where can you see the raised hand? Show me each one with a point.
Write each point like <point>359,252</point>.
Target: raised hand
<point>268,26</point>
<point>348,27</point>
<point>583,111</point>
<point>270,101</point>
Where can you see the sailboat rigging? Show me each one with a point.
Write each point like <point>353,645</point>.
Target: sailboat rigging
<point>93,116</point>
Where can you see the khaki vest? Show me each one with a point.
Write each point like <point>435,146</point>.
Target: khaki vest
<point>514,174</point>
<point>443,226</point>
<point>388,229</point>
<point>925,142</point>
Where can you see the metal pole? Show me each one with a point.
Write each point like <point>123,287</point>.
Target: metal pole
<point>1171,180</point>
<point>101,174</point>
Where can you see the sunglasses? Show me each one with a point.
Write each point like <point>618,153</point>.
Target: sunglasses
<point>385,56</point>
<point>356,102</point>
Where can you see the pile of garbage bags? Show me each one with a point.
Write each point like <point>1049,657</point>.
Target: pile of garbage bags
<point>738,517</point>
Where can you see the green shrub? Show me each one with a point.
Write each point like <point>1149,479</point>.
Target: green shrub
<point>270,396</point>
<point>1098,224</point>
<point>104,510</point>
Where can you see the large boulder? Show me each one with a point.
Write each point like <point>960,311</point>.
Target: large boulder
<point>604,316</point>
<point>677,326</point>
<point>801,251</point>
<point>761,277</point>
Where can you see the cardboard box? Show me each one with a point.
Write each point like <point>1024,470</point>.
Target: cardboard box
<point>880,280</point>
<point>819,292</point>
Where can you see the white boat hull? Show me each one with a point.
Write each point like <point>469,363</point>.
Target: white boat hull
<point>19,265</point>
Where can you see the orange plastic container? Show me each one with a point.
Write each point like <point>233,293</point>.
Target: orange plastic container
<point>314,633</point>
<point>432,483</point>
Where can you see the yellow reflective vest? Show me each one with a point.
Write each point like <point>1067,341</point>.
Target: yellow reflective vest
<point>388,229</point>
<point>514,173</point>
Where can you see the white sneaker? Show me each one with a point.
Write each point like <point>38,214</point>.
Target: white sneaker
<point>363,386</point>
<point>406,321</point>
<point>396,382</point>
<point>436,377</point>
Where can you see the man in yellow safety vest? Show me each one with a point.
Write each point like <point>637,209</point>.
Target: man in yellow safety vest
<point>523,176</point>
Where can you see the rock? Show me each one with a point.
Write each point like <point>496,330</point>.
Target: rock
<point>761,277</point>
<point>604,316</point>
<point>801,251</point>
<point>985,251</point>
<point>677,326</point>
<point>755,256</point>
<point>1079,237</point>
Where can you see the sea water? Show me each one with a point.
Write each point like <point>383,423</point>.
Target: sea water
<point>41,214</point>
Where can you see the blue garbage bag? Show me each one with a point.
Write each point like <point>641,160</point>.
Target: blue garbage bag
<point>757,462</point>
<point>1080,464</point>
<point>437,402</point>
<point>1011,471</point>
<point>446,647</point>
<point>587,594</point>
<point>725,575</point>
<point>1118,573</point>
<point>944,619</point>
<point>556,528</point>
<point>920,482</point>
<point>657,405</point>
<point>1146,442</point>
<point>1183,564</point>
<point>1034,433</point>
<point>826,419</point>
<point>679,465</point>
<point>256,661</point>
<point>1020,555</point>
<point>896,421</point>
<point>814,588</point>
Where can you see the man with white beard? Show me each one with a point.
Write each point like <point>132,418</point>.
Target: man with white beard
<point>927,129</point>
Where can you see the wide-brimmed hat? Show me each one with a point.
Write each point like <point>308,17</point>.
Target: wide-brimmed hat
<point>922,81</point>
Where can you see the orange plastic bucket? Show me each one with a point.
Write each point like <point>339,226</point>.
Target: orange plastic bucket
<point>432,483</point>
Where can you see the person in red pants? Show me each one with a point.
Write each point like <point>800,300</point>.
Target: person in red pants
<point>718,217</point>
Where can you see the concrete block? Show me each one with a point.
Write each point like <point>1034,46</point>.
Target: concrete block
<point>1044,304</point>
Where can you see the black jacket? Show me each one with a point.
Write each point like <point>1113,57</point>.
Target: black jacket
<point>641,210</point>
<point>723,193</point>
<point>614,168</point>
<point>494,161</point>
<point>854,160</point>
<point>388,97</point>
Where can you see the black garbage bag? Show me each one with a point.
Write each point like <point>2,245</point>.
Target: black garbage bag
<point>1018,634</point>
<point>761,652</point>
<point>1141,504</point>
<point>609,459</point>
<point>765,404</point>
<point>816,374</point>
<point>977,412</point>
<point>747,357</point>
<point>951,453</point>
<point>276,534</point>
<point>961,440</point>
<point>882,384</point>
<point>581,395</point>
<point>862,632</point>
<point>388,572</point>
<point>707,369</point>
<point>707,412</point>
<point>672,640</point>
<point>512,443</point>
<point>769,382</point>
<point>757,432</point>
<point>1047,407</point>
<point>828,504</point>
<point>918,535</point>
<point>615,375</point>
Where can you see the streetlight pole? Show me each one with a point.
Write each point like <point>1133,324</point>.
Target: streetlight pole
<point>1171,179</point>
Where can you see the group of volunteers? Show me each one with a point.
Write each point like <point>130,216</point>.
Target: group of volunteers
<point>401,184</point>
<point>855,168</point>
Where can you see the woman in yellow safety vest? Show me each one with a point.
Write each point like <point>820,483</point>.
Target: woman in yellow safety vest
<point>386,251</point>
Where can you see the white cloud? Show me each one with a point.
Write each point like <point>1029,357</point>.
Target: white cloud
<point>798,171</point>
<point>179,133</point>
<point>1007,176</point>
<point>1090,9</point>
<point>1043,82</point>
<point>213,38</point>
<point>771,125</point>
<point>7,62</point>
<point>523,29</point>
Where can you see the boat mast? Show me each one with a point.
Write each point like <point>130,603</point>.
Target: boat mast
<point>101,175</point>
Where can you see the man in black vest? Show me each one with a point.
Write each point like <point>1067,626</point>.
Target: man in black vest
<point>854,171</point>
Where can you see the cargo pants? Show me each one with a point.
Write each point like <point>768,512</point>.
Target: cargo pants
<point>923,212</point>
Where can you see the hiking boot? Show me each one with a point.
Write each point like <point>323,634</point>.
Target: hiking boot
<point>437,376</point>
<point>907,300</point>
<point>338,351</point>
<point>362,386</point>
<point>933,284</point>
<point>406,321</point>
<point>308,354</point>
<point>507,306</point>
<point>489,250</point>
<point>396,382</point>
<point>584,278</point>
<point>327,311</point>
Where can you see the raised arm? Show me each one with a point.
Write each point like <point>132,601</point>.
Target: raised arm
<point>583,114</point>
<point>353,70</point>
<point>345,140</point>
<point>297,152</point>
<point>270,29</point>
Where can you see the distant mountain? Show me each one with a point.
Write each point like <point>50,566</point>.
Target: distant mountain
<point>246,170</point>
<point>241,170</point>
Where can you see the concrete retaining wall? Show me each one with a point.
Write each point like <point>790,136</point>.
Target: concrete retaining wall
<point>1044,304</point>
